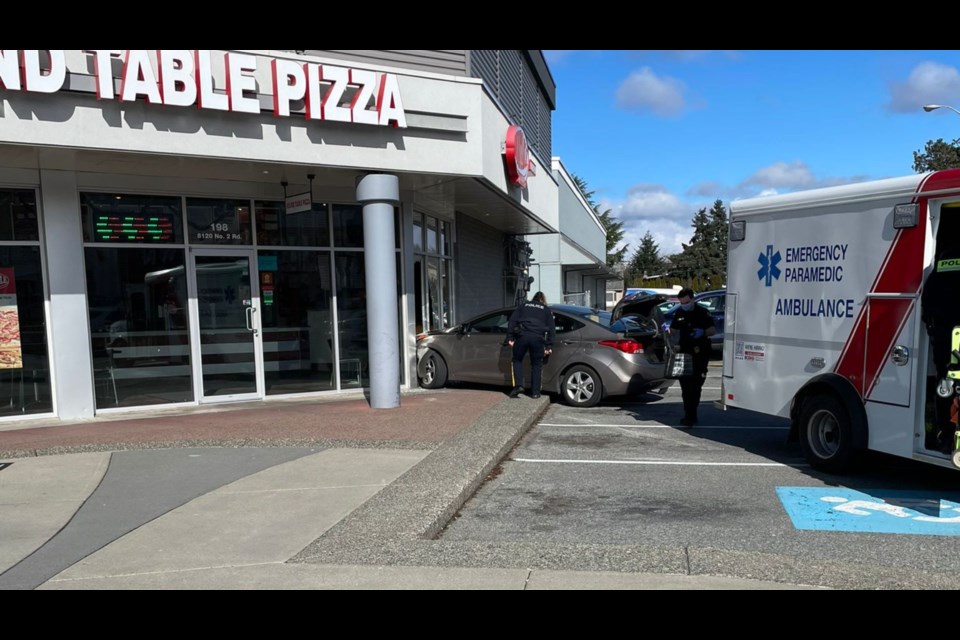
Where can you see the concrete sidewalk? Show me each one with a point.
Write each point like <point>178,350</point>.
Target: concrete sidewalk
<point>288,495</point>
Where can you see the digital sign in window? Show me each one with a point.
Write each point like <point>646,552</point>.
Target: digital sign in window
<point>150,228</point>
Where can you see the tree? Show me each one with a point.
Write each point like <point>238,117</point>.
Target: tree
<point>937,155</point>
<point>646,260</point>
<point>703,262</point>
<point>613,226</point>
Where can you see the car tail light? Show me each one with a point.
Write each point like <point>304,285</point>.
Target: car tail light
<point>627,346</point>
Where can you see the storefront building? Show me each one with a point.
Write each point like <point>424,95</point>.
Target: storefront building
<point>181,227</point>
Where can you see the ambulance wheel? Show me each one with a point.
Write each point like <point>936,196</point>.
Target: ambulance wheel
<point>434,371</point>
<point>956,458</point>
<point>826,434</point>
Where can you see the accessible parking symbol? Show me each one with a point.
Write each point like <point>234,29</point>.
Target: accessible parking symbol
<point>840,509</point>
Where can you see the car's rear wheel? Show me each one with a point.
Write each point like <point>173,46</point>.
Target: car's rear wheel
<point>434,371</point>
<point>581,386</point>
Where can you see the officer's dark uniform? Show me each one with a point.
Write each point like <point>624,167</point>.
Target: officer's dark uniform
<point>940,311</point>
<point>683,324</point>
<point>532,329</point>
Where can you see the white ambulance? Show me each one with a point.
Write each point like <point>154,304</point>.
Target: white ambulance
<point>823,314</point>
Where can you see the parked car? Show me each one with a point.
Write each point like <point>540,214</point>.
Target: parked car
<point>596,353</point>
<point>716,303</point>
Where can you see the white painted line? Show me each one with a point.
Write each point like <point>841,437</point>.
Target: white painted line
<point>690,463</point>
<point>661,426</point>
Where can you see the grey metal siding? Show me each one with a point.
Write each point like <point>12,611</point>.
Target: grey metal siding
<point>479,268</point>
<point>448,61</point>
<point>518,82</point>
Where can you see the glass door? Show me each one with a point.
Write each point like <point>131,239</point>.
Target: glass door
<point>226,325</point>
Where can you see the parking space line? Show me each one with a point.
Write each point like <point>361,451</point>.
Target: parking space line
<point>662,426</point>
<point>689,463</point>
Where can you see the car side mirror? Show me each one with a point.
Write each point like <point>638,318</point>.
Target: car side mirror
<point>461,329</point>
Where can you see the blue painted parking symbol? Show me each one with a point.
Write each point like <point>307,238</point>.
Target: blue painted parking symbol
<point>838,509</point>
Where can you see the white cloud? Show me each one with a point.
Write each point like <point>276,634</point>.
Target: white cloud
<point>782,175</point>
<point>643,90</point>
<point>928,83</point>
<point>557,56</point>
<point>650,207</point>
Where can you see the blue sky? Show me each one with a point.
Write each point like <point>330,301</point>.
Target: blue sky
<point>659,134</point>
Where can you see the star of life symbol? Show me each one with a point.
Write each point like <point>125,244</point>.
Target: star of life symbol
<point>768,266</point>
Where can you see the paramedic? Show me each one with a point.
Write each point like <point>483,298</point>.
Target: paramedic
<point>532,329</point>
<point>690,330</point>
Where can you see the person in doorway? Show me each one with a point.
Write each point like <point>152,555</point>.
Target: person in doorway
<point>940,313</point>
<point>531,328</point>
<point>691,328</point>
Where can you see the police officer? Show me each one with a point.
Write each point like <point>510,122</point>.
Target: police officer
<point>693,325</point>
<point>531,328</point>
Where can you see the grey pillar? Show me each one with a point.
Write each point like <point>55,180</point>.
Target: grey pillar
<point>379,193</point>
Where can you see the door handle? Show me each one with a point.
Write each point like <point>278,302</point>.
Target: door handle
<point>249,313</point>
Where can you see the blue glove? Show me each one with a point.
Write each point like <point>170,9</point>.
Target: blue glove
<point>664,327</point>
<point>697,334</point>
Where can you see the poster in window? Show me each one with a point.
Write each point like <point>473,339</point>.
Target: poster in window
<point>10,355</point>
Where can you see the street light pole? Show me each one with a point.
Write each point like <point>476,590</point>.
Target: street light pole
<point>930,107</point>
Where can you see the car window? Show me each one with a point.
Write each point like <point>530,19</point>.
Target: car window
<point>566,324</point>
<point>710,304</point>
<point>496,323</point>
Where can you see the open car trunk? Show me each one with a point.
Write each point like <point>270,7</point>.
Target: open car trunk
<point>637,316</point>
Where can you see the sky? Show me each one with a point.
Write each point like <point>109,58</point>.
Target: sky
<point>658,135</point>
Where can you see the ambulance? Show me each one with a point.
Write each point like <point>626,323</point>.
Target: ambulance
<point>823,320</point>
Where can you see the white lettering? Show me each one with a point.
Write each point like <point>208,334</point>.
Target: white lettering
<point>177,85</point>
<point>289,84</point>
<point>207,98</point>
<point>103,71</point>
<point>389,104</point>
<point>138,78</point>
<point>340,77</point>
<point>10,69</point>
<point>36,79</point>
<point>239,83</point>
<point>366,82</point>
<point>314,103</point>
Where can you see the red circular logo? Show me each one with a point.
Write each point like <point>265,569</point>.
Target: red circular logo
<point>518,155</point>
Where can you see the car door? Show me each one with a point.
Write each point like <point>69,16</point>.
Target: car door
<point>565,345</point>
<point>479,351</point>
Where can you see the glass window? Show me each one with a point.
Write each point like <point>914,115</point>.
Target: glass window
<point>24,363</point>
<point>218,222</point>
<point>495,323</point>
<point>275,227</point>
<point>417,231</point>
<point>565,324</point>
<point>123,218</point>
<point>18,215</point>
<point>296,295</point>
<point>446,278</point>
<point>352,319</point>
<point>348,225</point>
<point>445,239</point>
<point>140,338</point>
<point>431,234</point>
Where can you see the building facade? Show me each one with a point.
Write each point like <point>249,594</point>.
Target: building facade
<point>182,227</point>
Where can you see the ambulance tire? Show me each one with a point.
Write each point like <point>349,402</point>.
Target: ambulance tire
<point>826,434</point>
<point>434,371</point>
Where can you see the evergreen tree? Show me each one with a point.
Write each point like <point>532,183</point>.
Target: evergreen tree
<point>694,263</point>
<point>646,260</point>
<point>937,155</point>
<point>612,225</point>
<point>719,231</point>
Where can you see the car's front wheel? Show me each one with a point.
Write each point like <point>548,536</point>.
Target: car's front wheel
<point>581,386</point>
<point>434,371</point>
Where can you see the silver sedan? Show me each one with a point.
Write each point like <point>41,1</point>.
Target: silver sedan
<point>595,355</point>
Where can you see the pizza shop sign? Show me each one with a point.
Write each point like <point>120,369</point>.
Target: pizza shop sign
<point>184,78</point>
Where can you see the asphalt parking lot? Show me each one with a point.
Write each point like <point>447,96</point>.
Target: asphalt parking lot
<point>623,473</point>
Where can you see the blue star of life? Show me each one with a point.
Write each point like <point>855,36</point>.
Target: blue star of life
<point>768,266</point>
